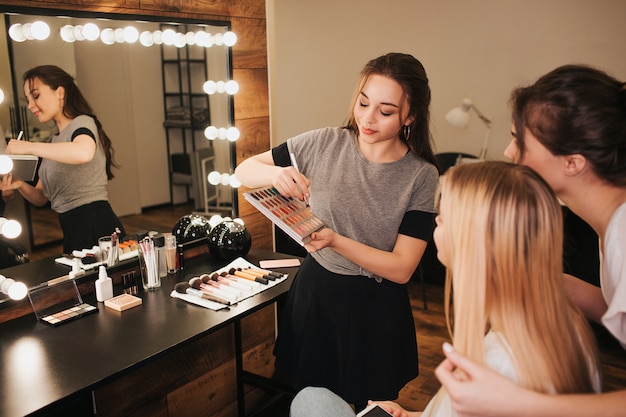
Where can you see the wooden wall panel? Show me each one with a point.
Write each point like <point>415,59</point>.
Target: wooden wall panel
<point>250,51</point>
<point>252,99</point>
<point>238,8</point>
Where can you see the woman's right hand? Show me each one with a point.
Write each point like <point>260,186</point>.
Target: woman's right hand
<point>291,183</point>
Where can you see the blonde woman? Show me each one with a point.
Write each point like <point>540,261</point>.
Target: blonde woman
<point>499,234</point>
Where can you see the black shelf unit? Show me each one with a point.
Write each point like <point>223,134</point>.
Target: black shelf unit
<point>187,113</point>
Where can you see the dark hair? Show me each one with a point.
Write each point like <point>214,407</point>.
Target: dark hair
<point>74,104</point>
<point>411,75</point>
<point>576,109</point>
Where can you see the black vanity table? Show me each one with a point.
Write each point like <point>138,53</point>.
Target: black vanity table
<point>45,368</point>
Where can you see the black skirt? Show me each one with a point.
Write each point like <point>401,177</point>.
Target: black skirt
<point>347,333</point>
<point>83,225</point>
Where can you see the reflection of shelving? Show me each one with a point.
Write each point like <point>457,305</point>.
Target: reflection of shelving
<point>187,114</point>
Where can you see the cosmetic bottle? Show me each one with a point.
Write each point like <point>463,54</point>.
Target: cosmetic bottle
<point>104,285</point>
<point>159,246</point>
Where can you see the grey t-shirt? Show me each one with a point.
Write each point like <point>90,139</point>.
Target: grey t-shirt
<point>70,186</point>
<point>359,199</point>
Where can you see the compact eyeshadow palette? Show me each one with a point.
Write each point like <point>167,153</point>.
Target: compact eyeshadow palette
<point>59,303</point>
<point>293,216</point>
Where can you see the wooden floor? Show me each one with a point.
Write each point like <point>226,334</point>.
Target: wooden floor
<point>429,322</point>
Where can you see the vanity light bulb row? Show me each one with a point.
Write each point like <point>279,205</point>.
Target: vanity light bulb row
<point>212,133</point>
<point>215,178</point>
<point>39,30</point>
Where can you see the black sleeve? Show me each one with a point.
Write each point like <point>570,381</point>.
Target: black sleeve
<point>418,224</point>
<point>281,155</point>
<point>83,131</point>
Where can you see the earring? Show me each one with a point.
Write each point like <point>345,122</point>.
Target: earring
<point>406,131</point>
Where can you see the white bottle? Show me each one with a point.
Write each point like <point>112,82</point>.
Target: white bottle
<point>104,285</point>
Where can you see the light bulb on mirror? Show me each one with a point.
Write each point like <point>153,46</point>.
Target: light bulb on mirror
<point>67,33</point>
<point>16,33</point>
<point>15,290</point>
<point>91,31</point>
<point>40,30</point>
<point>210,132</point>
<point>6,164</point>
<point>210,87</point>
<point>232,134</point>
<point>230,38</point>
<point>231,87</point>
<point>107,36</point>
<point>130,34</point>
<point>214,178</point>
<point>234,182</point>
<point>10,228</point>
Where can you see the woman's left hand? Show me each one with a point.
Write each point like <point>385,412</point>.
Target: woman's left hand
<point>320,239</point>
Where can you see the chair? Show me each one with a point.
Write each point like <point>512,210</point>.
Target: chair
<point>447,160</point>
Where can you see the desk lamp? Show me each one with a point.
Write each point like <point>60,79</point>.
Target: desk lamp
<point>459,117</point>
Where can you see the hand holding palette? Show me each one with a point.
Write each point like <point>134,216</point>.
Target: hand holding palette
<point>293,216</point>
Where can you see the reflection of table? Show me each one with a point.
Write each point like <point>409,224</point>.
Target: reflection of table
<point>43,368</point>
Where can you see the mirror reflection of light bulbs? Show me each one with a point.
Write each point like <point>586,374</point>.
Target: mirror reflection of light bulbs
<point>91,31</point>
<point>180,41</point>
<point>15,290</point>
<point>210,87</point>
<point>231,87</point>
<point>168,36</point>
<point>234,182</point>
<point>67,33</point>
<point>225,179</point>
<point>201,38</point>
<point>40,30</point>
<point>230,38</point>
<point>190,38</point>
<point>221,133</point>
<point>78,33</point>
<point>107,36</point>
<point>10,228</point>
<point>118,35</point>
<point>211,132</point>
<point>218,39</point>
<point>146,38</point>
<point>130,34</point>
<point>221,86</point>
<point>6,164</point>
<point>214,178</point>
<point>157,36</point>
<point>16,33</point>
<point>232,134</point>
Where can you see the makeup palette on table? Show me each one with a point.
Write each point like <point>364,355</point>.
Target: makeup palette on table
<point>293,216</point>
<point>59,303</point>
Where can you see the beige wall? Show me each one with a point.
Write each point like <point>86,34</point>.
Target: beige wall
<point>479,49</point>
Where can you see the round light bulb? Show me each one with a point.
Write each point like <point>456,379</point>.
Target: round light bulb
<point>40,30</point>
<point>131,34</point>
<point>214,178</point>
<point>225,179</point>
<point>78,33</point>
<point>107,36</point>
<point>231,87</point>
<point>230,38</point>
<point>157,35</point>
<point>11,229</point>
<point>221,133</point>
<point>17,291</point>
<point>168,36</point>
<point>190,38</point>
<point>6,164</point>
<point>234,182</point>
<point>210,132</point>
<point>232,134</point>
<point>146,38</point>
<point>180,41</point>
<point>218,39</point>
<point>210,87</point>
<point>16,33</point>
<point>27,32</point>
<point>221,87</point>
<point>67,33</point>
<point>91,31</point>
<point>118,35</point>
<point>201,38</point>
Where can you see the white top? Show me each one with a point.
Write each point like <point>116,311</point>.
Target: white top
<point>498,357</point>
<point>613,275</point>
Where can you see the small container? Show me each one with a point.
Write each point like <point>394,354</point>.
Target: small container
<point>159,245</point>
<point>149,264</point>
<point>170,253</point>
<point>104,285</point>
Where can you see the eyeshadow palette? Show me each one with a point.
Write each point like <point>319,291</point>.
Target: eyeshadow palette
<point>293,216</point>
<point>59,302</point>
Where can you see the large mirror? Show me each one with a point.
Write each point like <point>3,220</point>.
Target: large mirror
<point>150,100</point>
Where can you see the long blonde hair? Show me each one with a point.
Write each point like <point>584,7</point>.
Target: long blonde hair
<point>504,237</point>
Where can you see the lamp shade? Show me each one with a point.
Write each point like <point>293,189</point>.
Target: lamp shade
<point>459,116</point>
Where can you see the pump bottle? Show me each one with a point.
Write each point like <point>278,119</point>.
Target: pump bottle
<point>104,285</point>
